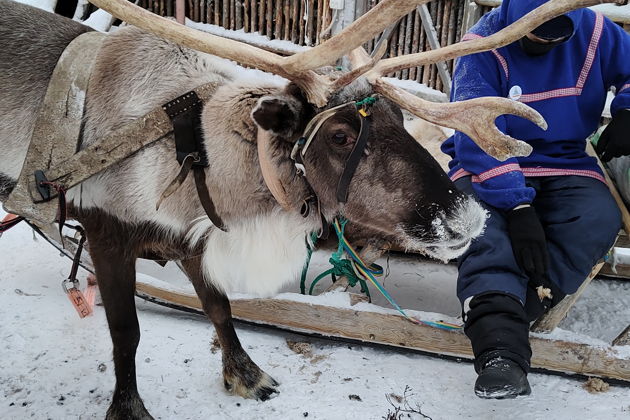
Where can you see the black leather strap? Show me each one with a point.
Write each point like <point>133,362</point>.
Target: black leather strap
<point>185,114</point>
<point>353,161</point>
<point>204,198</point>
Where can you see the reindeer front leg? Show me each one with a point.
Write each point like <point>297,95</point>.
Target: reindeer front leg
<point>115,269</point>
<point>240,374</point>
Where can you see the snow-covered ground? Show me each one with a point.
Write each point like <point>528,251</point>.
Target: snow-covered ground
<point>57,366</point>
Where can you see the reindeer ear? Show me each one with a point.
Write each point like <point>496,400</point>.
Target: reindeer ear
<point>276,114</point>
<point>283,114</point>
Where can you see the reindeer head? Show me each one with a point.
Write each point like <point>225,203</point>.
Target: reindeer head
<point>360,162</point>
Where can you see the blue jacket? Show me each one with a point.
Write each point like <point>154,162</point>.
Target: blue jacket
<point>568,86</point>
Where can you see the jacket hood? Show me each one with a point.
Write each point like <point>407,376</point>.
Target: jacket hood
<point>513,10</point>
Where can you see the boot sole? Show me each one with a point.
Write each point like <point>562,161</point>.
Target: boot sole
<point>504,393</point>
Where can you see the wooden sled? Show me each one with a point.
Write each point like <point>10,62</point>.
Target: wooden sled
<point>343,315</point>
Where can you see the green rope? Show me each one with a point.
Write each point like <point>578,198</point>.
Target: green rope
<point>369,101</point>
<point>340,267</point>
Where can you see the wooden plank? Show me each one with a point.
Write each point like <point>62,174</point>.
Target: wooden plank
<point>623,339</point>
<point>394,330</point>
<point>549,321</point>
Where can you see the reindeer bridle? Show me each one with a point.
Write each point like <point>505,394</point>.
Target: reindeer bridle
<point>312,128</point>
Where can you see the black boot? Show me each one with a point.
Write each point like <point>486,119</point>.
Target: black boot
<point>498,329</point>
<point>501,378</point>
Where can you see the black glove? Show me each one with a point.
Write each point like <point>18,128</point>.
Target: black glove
<point>615,139</point>
<point>528,243</point>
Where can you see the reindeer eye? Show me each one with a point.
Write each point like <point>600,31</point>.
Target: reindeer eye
<point>340,138</point>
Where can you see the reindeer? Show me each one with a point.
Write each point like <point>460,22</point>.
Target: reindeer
<point>251,125</point>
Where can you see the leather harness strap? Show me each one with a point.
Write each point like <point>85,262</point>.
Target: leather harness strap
<point>353,161</point>
<point>185,114</point>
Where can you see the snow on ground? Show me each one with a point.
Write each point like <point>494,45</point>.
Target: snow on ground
<point>57,366</point>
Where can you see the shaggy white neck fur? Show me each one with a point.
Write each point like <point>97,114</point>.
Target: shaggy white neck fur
<point>258,255</point>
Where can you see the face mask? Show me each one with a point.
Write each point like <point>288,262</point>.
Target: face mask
<point>535,48</point>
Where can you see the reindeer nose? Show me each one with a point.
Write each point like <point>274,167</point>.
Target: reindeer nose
<point>454,234</point>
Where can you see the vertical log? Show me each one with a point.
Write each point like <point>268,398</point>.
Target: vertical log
<point>400,43</point>
<point>413,72</point>
<point>277,29</point>
<point>295,10</point>
<point>261,17</point>
<point>225,14</point>
<point>252,16</point>
<point>301,24</point>
<point>169,7</point>
<point>408,40</point>
<point>423,47</point>
<point>269,18</point>
<point>438,29</point>
<point>432,69</point>
<point>460,19</point>
<point>217,12</point>
<point>287,20</point>
<point>452,30</point>
<point>426,70</point>
<point>233,14</point>
<point>319,20</point>
<point>310,16</point>
<point>394,46</point>
<point>246,16</point>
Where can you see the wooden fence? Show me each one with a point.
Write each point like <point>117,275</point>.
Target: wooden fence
<point>307,22</point>
<point>303,21</point>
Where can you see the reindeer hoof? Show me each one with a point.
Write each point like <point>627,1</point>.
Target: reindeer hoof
<point>253,383</point>
<point>127,408</point>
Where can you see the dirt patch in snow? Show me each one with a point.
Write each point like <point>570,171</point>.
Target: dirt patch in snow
<point>595,385</point>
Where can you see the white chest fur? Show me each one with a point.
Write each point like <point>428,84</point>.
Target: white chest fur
<point>258,255</point>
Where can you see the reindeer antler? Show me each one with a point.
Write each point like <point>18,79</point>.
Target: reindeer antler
<point>317,88</point>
